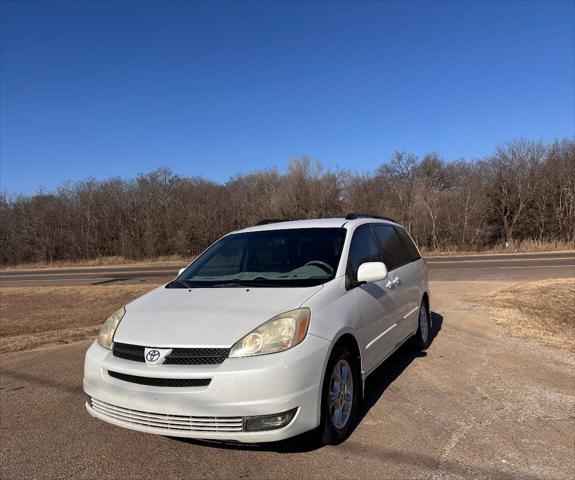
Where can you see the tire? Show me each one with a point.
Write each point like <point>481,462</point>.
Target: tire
<point>422,337</point>
<point>335,428</point>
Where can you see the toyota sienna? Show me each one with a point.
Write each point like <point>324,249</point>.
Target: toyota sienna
<point>271,332</point>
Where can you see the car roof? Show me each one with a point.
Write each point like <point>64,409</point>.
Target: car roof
<point>313,223</point>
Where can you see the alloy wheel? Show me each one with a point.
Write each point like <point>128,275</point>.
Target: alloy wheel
<point>341,394</point>
<point>423,324</point>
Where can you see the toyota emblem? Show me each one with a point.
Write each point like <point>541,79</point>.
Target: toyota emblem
<point>152,356</point>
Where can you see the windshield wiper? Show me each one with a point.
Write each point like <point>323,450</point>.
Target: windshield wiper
<point>180,282</point>
<point>247,283</point>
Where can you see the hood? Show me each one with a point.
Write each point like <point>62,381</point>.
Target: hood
<point>208,317</point>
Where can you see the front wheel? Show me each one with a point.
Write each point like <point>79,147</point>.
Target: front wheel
<point>339,396</point>
<point>422,337</point>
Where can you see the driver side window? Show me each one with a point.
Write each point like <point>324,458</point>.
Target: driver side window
<point>363,249</point>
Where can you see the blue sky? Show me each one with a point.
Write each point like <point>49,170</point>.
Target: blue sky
<point>117,88</point>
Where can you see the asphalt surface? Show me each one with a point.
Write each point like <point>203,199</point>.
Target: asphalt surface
<point>478,404</point>
<point>480,267</point>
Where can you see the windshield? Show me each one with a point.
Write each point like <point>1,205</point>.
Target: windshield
<point>270,258</point>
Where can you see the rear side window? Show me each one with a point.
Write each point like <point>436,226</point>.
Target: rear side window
<point>363,249</point>
<point>394,253</point>
<point>408,244</point>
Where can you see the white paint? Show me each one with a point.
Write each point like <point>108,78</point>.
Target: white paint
<point>381,335</point>
<point>411,312</point>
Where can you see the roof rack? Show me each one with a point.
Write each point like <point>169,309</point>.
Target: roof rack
<point>355,216</point>
<point>267,221</point>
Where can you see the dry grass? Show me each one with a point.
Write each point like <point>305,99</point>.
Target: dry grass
<point>34,316</point>
<point>175,260</point>
<point>526,246</point>
<point>543,310</point>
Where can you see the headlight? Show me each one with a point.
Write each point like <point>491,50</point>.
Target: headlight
<point>106,336</point>
<point>276,335</point>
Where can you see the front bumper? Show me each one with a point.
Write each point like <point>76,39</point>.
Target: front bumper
<point>239,387</point>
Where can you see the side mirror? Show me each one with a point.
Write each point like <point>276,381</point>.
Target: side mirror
<point>180,271</point>
<point>371,272</point>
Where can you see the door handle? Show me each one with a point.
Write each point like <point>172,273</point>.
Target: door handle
<point>392,282</point>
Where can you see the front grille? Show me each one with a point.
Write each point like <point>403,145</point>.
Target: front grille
<point>161,382</point>
<point>161,421</point>
<point>197,356</point>
<point>179,356</point>
<point>128,352</point>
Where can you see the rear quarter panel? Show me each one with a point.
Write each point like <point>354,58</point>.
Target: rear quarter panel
<point>413,286</point>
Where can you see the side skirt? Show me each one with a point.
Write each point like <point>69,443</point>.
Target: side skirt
<point>364,375</point>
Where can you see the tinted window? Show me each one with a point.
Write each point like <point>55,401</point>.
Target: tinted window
<point>228,260</point>
<point>394,255</point>
<point>363,249</point>
<point>290,257</point>
<point>408,244</point>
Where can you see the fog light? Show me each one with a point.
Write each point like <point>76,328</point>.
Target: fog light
<point>268,422</point>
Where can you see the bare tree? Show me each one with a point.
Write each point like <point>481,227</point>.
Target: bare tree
<point>525,190</point>
<point>513,170</point>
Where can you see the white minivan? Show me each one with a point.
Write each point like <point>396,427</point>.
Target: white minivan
<point>271,332</point>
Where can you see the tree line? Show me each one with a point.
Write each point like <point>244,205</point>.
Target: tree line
<point>525,190</point>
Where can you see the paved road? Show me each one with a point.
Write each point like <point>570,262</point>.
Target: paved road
<point>480,267</point>
<point>477,404</point>
<point>503,267</point>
